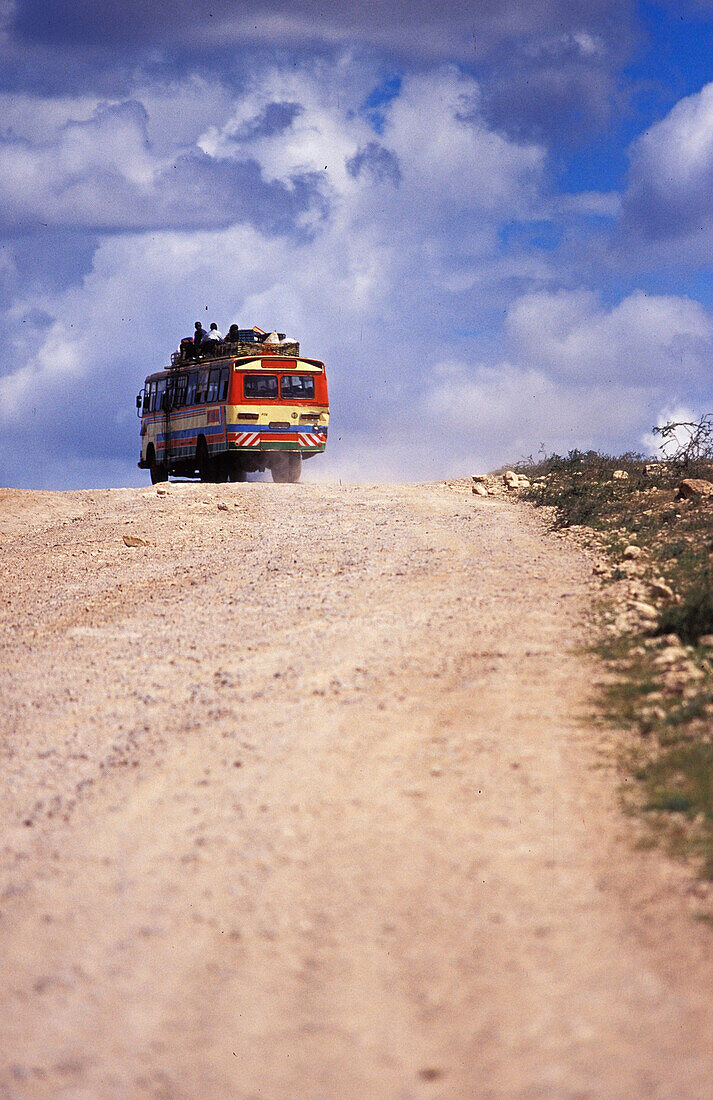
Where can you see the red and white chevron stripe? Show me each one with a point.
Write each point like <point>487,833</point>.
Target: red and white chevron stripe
<point>307,439</point>
<point>247,439</point>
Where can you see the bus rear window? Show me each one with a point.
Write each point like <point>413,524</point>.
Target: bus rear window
<point>260,385</point>
<point>300,386</point>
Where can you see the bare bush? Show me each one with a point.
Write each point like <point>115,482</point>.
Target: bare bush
<point>687,441</point>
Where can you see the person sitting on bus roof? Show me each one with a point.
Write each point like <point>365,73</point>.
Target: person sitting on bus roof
<point>233,336</point>
<point>187,348</point>
<point>199,335</point>
<point>211,339</point>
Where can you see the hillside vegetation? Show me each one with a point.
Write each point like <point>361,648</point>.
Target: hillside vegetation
<point>653,527</point>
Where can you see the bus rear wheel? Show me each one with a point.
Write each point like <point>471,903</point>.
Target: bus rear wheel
<point>286,467</point>
<point>158,472</point>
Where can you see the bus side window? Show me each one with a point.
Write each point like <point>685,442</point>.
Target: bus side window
<point>147,395</point>
<point>180,395</point>
<point>161,395</point>
<point>191,391</point>
<point>151,395</point>
<point>213,385</point>
<point>224,379</point>
<point>202,387</point>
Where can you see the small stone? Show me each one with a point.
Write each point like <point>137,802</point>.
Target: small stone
<point>678,679</point>
<point>644,610</point>
<point>706,641</point>
<point>222,506</point>
<point>661,589</point>
<point>620,475</point>
<point>601,569</point>
<point>430,1073</point>
<point>631,552</point>
<point>479,479</point>
<point>651,469</point>
<point>161,492</point>
<point>672,655</point>
<point>480,490</point>
<point>134,540</point>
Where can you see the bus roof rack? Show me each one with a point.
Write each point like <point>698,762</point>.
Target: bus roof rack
<point>233,351</point>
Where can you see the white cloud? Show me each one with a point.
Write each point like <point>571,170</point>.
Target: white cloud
<point>78,172</point>
<point>434,127</point>
<point>579,374</point>
<point>80,163</point>
<point>652,337</point>
<point>176,112</point>
<point>325,132</point>
<point>493,414</point>
<point>670,189</point>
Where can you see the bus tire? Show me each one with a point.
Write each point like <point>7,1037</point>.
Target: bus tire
<point>286,467</point>
<point>205,464</point>
<point>158,472</point>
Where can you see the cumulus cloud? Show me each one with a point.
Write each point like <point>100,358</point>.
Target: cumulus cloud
<point>434,143</point>
<point>499,413</point>
<point>670,188</point>
<point>101,171</point>
<point>577,374</point>
<point>570,333</point>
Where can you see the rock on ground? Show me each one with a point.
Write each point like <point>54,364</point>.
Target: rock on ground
<point>692,487</point>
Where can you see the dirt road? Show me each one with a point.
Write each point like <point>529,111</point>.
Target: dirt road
<point>303,799</point>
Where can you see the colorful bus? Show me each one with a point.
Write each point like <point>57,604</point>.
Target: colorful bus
<point>223,417</point>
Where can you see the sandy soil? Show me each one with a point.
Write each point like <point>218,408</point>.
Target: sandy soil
<point>303,799</point>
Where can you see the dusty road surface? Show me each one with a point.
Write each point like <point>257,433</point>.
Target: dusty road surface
<point>303,799</point>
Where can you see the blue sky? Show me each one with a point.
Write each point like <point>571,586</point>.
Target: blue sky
<point>494,222</point>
